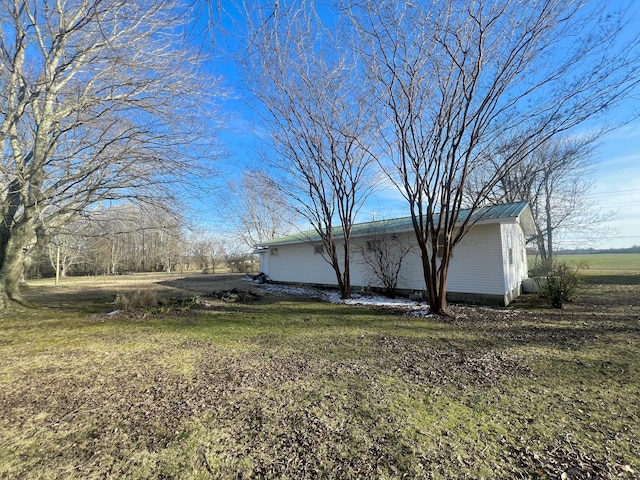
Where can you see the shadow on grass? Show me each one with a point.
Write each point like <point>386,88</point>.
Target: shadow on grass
<point>98,298</point>
<point>612,279</point>
<point>206,284</point>
<point>85,300</point>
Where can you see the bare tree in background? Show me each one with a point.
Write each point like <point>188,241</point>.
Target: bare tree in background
<point>124,237</point>
<point>66,250</point>
<point>257,210</point>
<point>454,77</point>
<point>556,179</point>
<point>99,102</point>
<point>319,121</point>
<point>207,250</point>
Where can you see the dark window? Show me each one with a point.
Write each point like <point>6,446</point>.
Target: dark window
<point>374,245</point>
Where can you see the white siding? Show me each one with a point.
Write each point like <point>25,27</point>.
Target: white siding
<point>264,262</point>
<point>409,278</point>
<point>515,263</point>
<point>411,275</point>
<point>476,266</point>
<point>297,263</point>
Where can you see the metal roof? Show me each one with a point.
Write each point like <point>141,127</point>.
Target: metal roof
<point>488,214</point>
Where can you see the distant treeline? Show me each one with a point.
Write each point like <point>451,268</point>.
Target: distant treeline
<point>582,251</point>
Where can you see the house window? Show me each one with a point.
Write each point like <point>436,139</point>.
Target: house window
<point>318,249</point>
<point>274,252</point>
<point>441,241</point>
<point>374,245</point>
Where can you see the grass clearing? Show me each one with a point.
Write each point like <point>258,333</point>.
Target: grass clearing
<point>293,388</point>
<point>606,261</point>
<point>607,268</point>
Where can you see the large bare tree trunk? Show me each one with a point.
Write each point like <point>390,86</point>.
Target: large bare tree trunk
<point>13,261</point>
<point>98,103</point>
<point>346,272</point>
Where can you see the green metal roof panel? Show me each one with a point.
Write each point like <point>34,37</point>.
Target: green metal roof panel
<point>494,212</point>
<point>404,224</point>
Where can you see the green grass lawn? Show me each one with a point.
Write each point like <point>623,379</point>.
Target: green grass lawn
<point>605,268</point>
<point>293,388</point>
<point>606,261</point>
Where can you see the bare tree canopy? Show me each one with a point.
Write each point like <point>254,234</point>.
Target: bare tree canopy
<point>320,124</point>
<point>257,210</point>
<point>454,77</point>
<point>206,250</point>
<point>123,237</point>
<point>99,101</point>
<point>556,179</point>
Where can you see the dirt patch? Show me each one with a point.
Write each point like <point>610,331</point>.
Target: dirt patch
<point>566,462</point>
<point>424,363</point>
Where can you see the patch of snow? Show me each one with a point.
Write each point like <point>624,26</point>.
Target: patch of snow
<point>413,308</point>
<point>115,312</point>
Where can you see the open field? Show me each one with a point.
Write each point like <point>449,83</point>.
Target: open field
<point>606,268</point>
<point>628,262</point>
<point>280,387</point>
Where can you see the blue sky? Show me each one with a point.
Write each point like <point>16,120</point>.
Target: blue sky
<point>616,176</point>
<point>617,186</point>
<point>615,194</point>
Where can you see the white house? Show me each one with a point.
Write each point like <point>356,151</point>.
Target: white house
<point>488,265</point>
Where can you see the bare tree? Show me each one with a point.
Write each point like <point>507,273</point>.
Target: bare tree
<point>99,100</point>
<point>206,250</point>
<point>556,179</point>
<point>257,210</point>
<point>123,237</point>
<point>65,251</point>
<point>453,77</point>
<point>383,256</point>
<point>102,243</point>
<point>319,122</point>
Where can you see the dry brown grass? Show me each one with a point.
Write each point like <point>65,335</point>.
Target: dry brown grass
<point>136,300</point>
